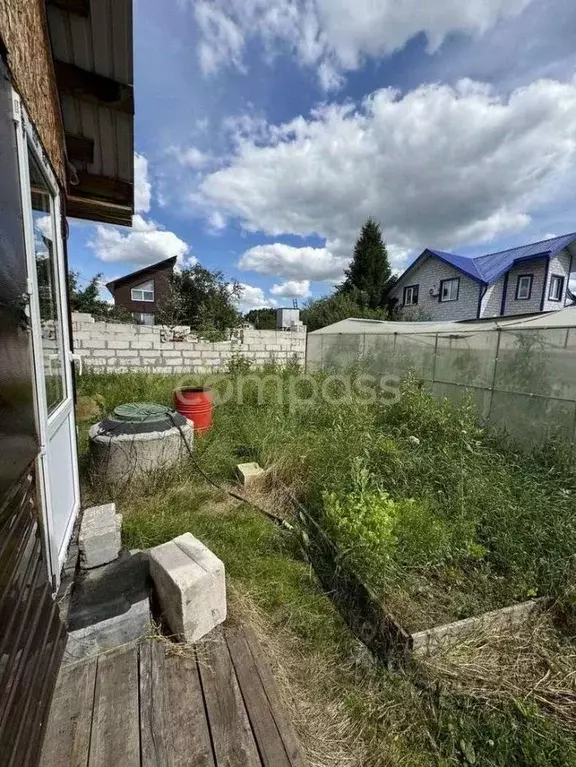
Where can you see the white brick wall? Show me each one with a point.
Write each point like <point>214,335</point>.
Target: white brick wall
<point>432,271</point>
<point>427,276</point>
<point>559,265</point>
<point>119,347</point>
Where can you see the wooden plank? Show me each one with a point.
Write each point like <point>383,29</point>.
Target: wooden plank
<point>94,87</point>
<point>104,188</point>
<point>268,739</point>
<point>283,723</point>
<point>188,734</point>
<point>79,7</point>
<point>68,731</point>
<point>153,717</point>
<point>232,736</point>
<point>97,210</point>
<point>115,722</point>
<point>80,148</point>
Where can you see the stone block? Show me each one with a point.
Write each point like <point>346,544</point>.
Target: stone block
<point>190,583</point>
<point>94,343</point>
<point>130,362</point>
<point>118,343</point>
<point>249,473</point>
<point>100,536</point>
<point>141,344</point>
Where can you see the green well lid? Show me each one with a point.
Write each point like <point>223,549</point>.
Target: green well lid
<point>141,417</point>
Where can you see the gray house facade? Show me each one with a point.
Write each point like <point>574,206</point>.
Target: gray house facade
<point>524,280</point>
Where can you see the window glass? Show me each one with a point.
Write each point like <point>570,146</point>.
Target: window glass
<point>144,292</point>
<point>143,318</point>
<point>524,287</point>
<point>411,295</point>
<point>556,288</point>
<point>449,290</point>
<point>48,286</point>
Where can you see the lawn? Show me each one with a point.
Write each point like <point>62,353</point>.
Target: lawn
<point>442,519</point>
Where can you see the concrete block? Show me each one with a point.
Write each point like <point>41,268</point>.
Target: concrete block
<point>94,343</point>
<point>107,634</point>
<point>249,473</point>
<point>149,354</point>
<point>190,583</point>
<point>171,352</point>
<point>140,344</point>
<point>191,354</point>
<point>100,536</point>
<point>118,343</point>
<point>129,361</point>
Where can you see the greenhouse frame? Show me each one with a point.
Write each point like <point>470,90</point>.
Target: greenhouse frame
<point>521,372</point>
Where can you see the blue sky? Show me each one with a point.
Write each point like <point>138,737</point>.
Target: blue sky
<point>268,130</point>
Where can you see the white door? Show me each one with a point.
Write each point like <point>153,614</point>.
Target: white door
<point>58,461</point>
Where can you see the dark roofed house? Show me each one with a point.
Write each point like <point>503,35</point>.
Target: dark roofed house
<point>524,280</point>
<point>144,292</point>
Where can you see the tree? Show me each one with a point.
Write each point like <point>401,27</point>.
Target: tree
<point>369,272</point>
<point>88,300</point>
<point>204,300</point>
<point>340,306</point>
<point>262,319</point>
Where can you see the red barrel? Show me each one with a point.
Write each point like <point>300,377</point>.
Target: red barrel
<point>195,403</point>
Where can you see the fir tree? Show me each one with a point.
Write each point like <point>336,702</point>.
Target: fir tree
<point>369,272</point>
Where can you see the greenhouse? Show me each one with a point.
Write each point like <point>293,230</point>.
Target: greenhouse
<point>521,372</point>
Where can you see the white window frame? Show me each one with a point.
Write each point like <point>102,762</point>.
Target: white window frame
<point>450,283</point>
<point>556,280</point>
<point>410,291</point>
<point>143,292</point>
<point>27,140</point>
<point>524,279</point>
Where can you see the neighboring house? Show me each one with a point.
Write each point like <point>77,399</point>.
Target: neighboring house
<point>66,148</point>
<point>144,292</point>
<point>531,278</point>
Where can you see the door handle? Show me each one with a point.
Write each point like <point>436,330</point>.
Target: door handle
<point>76,358</point>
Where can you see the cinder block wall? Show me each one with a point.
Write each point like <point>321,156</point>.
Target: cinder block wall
<point>107,347</point>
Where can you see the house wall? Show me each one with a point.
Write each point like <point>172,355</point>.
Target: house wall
<point>24,31</point>
<point>428,275</point>
<point>107,347</point>
<point>492,299</point>
<point>559,265</point>
<point>32,636</point>
<point>537,268</point>
<point>123,296</point>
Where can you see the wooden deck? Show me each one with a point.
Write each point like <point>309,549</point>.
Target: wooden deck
<point>158,705</point>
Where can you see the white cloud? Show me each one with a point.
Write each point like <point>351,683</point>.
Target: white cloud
<point>292,289</point>
<point>190,157</point>
<point>222,39</point>
<point>279,260</point>
<point>144,244</point>
<point>334,36</point>
<point>439,166</point>
<point>252,297</point>
<point>142,186</point>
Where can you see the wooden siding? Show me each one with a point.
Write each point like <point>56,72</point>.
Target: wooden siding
<point>24,32</point>
<point>33,636</point>
<point>161,276</point>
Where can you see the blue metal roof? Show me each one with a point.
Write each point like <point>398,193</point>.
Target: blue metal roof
<point>490,267</point>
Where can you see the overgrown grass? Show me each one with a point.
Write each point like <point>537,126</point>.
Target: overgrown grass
<point>503,528</point>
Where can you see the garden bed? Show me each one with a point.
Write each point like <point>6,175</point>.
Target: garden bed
<point>385,484</point>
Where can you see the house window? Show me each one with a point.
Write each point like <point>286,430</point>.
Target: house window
<point>556,288</point>
<point>449,289</point>
<point>144,292</point>
<point>524,287</point>
<point>143,318</point>
<point>411,295</point>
